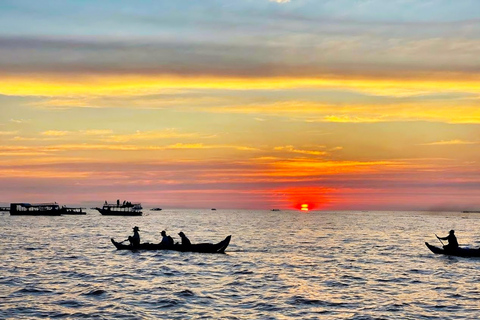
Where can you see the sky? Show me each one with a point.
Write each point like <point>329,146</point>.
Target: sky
<point>245,104</point>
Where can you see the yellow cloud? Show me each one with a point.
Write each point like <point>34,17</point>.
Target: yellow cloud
<point>50,174</point>
<point>8,133</point>
<point>55,133</point>
<point>136,85</point>
<point>113,147</point>
<point>294,150</point>
<point>450,142</point>
<point>148,135</point>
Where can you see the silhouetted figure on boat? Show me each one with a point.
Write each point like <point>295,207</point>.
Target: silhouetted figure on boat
<point>185,241</point>
<point>135,239</point>
<point>452,241</point>
<point>167,241</point>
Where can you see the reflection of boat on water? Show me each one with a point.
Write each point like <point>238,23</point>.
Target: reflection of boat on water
<point>72,211</point>
<point>37,209</point>
<point>121,209</point>
<point>156,209</point>
<point>200,247</point>
<point>459,252</point>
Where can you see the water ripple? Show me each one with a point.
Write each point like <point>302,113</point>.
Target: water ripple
<point>337,265</point>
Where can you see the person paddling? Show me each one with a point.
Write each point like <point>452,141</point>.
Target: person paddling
<point>452,241</point>
<point>135,240</point>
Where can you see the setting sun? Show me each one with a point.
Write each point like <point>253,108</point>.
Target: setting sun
<point>304,207</point>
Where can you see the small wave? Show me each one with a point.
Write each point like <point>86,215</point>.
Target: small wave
<point>168,303</point>
<point>243,272</point>
<point>333,283</point>
<point>96,292</point>
<point>349,277</point>
<point>266,307</point>
<point>186,293</point>
<point>317,302</point>
<point>392,280</point>
<point>305,301</point>
<point>34,290</point>
<point>70,303</point>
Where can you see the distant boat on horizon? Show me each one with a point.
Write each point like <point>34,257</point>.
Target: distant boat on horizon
<point>275,210</point>
<point>156,209</point>
<point>38,209</point>
<point>120,209</point>
<point>72,211</point>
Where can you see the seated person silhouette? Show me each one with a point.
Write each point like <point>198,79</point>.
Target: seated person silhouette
<point>167,241</point>
<point>185,241</point>
<point>135,239</point>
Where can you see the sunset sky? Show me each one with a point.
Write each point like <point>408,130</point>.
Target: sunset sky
<point>255,104</point>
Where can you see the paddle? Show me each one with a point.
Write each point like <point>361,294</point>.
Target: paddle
<point>439,239</point>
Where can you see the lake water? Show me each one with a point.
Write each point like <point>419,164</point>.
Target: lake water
<point>279,265</point>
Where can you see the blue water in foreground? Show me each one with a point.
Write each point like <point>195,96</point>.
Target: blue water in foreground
<point>279,265</point>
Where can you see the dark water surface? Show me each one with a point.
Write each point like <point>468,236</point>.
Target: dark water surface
<point>279,265</point>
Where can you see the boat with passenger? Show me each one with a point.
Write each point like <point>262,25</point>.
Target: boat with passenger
<point>121,209</point>
<point>199,247</point>
<point>36,209</point>
<point>458,252</point>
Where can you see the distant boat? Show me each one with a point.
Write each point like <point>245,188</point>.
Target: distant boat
<point>121,209</point>
<point>4,209</point>
<point>72,211</point>
<point>275,209</point>
<point>213,209</point>
<point>156,209</point>
<point>471,211</point>
<point>38,209</point>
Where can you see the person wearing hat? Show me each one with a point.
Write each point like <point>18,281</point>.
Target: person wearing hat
<point>135,240</point>
<point>452,241</point>
<point>185,241</point>
<point>167,241</point>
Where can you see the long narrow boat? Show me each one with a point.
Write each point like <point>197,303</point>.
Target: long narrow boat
<point>38,209</point>
<point>459,252</point>
<point>200,247</point>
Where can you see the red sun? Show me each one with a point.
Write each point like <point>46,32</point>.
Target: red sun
<point>304,207</point>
